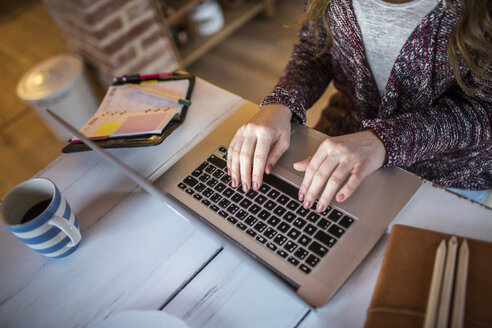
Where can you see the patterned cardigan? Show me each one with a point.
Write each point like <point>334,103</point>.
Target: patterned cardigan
<point>427,123</point>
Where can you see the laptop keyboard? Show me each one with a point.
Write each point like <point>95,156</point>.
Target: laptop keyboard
<point>272,215</point>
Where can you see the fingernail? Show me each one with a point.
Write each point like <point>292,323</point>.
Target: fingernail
<point>233,183</point>
<point>255,186</point>
<point>307,204</point>
<point>228,171</point>
<point>245,187</point>
<point>340,197</point>
<point>320,207</point>
<point>301,196</point>
<point>269,168</point>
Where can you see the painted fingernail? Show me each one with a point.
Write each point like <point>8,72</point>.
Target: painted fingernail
<point>255,186</point>
<point>307,204</point>
<point>301,196</point>
<point>245,187</point>
<point>340,197</point>
<point>228,171</point>
<point>233,183</point>
<point>320,207</point>
<point>269,168</point>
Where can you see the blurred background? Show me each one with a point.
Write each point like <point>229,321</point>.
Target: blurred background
<point>239,45</point>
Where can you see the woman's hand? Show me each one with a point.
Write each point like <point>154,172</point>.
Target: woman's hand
<point>357,155</point>
<point>260,142</point>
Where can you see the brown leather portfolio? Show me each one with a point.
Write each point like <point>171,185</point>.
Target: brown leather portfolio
<point>402,288</point>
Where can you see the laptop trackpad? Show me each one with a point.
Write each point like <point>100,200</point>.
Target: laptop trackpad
<point>303,143</point>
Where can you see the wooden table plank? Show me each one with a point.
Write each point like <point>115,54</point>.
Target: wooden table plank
<point>233,291</point>
<point>135,259</point>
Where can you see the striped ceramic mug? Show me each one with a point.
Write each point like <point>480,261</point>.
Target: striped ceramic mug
<point>38,215</point>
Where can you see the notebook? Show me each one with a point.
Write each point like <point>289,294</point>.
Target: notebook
<point>314,253</point>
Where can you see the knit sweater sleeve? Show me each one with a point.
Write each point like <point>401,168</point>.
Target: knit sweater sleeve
<point>455,123</point>
<point>306,75</point>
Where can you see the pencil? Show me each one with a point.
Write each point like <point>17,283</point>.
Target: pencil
<point>160,94</point>
<point>458,314</point>
<point>435,288</point>
<point>447,285</point>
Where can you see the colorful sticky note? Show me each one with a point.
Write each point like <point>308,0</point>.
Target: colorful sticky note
<point>107,128</point>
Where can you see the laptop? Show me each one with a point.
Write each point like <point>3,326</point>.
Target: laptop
<point>314,253</point>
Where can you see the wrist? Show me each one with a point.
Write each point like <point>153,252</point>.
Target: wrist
<point>279,109</point>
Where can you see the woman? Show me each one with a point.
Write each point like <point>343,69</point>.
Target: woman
<point>417,75</point>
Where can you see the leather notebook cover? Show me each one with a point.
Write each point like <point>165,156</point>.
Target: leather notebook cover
<point>402,288</point>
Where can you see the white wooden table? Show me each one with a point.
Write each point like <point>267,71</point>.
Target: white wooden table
<point>136,254</point>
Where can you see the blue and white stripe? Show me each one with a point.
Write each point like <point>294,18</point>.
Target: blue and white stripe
<point>44,237</point>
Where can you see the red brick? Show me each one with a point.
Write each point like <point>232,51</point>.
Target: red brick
<point>128,37</point>
<point>102,12</point>
<point>108,29</point>
<point>149,58</point>
<point>126,57</point>
<point>138,9</point>
<point>153,38</point>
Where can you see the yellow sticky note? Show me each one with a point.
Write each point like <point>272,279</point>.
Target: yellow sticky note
<point>107,128</point>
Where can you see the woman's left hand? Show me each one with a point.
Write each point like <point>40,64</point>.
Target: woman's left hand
<point>357,155</point>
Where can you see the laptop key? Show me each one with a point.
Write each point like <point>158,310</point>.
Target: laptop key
<point>312,260</point>
<point>282,253</point>
<point>336,231</point>
<point>236,198</point>
<point>218,174</point>
<point>283,199</point>
<point>208,192</point>
<point>289,216</point>
<point>232,209</point>
<point>232,219</point>
<point>242,214</point>
<point>270,233</point>
<point>182,186</point>
<point>269,205</point>
<point>200,187</point>
<point>292,260</point>
<point>251,220</point>
<point>223,150</point>
<point>251,194</point>
<point>228,192</point>
<point>300,223</point>
<point>206,202</point>
<point>325,238</point>
<point>283,227</point>
<point>260,199</point>
<point>241,226</point>
<point>318,249</point>
<point>302,211</point>
<point>273,221</point>
<point>301,253</point>
<point>273,194</point>
<point>210,169</point>
<point>290,246</point>
<point>212,182</point>
<point>304,268</point>
<point>279,210</point>
<point>190,181</point>
<point>280,184</point>
<point>294,233</point>
<point>214,208</point>
<point>280,239</point>
<point>293,205</point>
<point>245,203</point>
<point>217,161</point>
<point>260,227</point>
<point>313,217</point>
<point>261,239</point>
<point>251,232</point>
<point>215,198</point>
<point>346,221</point>
<point>189,191</point>
<point>220,187</point>
<point>223,213</point>
<point>335,215</point>
<point>323,224</point>
<point>264,214</point>
<point>310,229</point>
<point>224,203</point>
<point>264,188</point>
<point>226,179</point>
<point>197,196</point>
<point>304,240</point>
<point>271,246</point>
<point>204,177</point>
<point>254,209</point>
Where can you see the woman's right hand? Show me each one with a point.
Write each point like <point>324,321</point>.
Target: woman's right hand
<point>261,142</point>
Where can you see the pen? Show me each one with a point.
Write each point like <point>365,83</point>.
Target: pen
<point>161,94</point>
<point>137,78</point>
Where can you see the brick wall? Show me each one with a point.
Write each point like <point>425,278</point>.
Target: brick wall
<point>115,37</point>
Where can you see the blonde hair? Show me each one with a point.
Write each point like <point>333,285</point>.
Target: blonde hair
<point>470,39</point>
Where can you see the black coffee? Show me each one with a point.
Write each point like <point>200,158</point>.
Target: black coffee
<point>35,210</point>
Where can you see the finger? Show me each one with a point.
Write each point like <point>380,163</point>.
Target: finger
<point>349,187</point>
<point>235,170</point>
<point>302,165</point>
<point>259,161</point>
<point>310,170</point>
<point>245,158</point>
<point>319,181</point>
<point>334,182</point>
<point>230,153</point>
<point>278,149</point>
